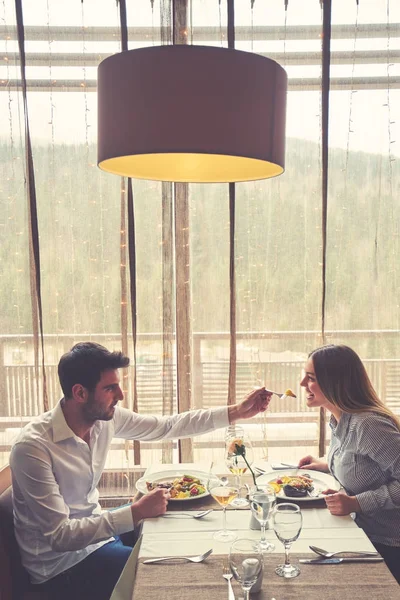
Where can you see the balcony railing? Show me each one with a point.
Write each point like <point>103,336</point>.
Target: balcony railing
<point>21,392</point>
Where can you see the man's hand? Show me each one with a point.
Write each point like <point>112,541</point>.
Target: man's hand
<point>151,505</point>
<point>256,402</point>
<point>339,503</point>
<point>314,464</point>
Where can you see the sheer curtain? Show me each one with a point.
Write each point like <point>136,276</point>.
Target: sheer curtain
<point>182,233</point>
<point>274,255</point>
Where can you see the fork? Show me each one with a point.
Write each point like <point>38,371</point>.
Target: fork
<point>199,515</point>
<point>226,574</point>
<point>281,396</point>
<point>314,493</point>
<point>195,559</point>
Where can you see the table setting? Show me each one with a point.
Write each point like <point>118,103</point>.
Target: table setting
<point>270,546</point>
<point>206,579</point>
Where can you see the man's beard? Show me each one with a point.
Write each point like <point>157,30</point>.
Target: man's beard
<point>92,412</point>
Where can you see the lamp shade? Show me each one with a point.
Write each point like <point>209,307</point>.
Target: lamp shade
<point>191,114</point>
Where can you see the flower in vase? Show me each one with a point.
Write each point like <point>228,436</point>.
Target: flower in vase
<point>237,447</point>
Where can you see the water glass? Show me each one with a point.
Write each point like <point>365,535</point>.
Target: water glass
<point>246,564</point>
<point>288,521</point>
<point>262,501</point>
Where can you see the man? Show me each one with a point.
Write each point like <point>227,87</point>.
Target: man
<point>69,546</point>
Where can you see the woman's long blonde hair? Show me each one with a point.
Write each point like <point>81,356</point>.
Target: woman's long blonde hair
<point>344,381</point>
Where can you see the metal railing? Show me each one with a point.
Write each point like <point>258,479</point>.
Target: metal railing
<point>20,391</point>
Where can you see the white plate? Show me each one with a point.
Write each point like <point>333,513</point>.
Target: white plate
<point>164,476</point>
<point>321,481</point>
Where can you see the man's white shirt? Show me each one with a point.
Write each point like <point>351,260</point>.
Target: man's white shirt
<point>57,515</point>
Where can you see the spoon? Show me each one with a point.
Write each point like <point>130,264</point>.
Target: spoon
<point>194,559</point>
<point>198,515</point>
<point>327,554</point>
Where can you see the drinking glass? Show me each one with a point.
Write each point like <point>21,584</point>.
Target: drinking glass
<point>236,443</point>
<point>262,501</point>
<point>288,520</point>
<point>234,430</point>
<point>246,564</point>
<point>224,495</point>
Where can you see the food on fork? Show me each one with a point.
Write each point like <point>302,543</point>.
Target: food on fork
<point>296,486</point>
<point>288,394</point>
<point>181,487</point>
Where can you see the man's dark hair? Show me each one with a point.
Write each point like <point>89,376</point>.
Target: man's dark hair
<point>84,364</point>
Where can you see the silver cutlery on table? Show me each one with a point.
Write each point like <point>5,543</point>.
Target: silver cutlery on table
<point>198,515</point>
<point>226,574</point>
<point>326,554</point>
<point>314,494</point>
<point>195,559</point>
<point>276,467</point>
<point>338,561</point>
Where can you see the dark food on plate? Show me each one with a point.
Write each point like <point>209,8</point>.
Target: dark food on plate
<point>296,486</point>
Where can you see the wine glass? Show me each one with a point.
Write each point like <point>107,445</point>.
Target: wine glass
<point>224,495</point>
<point>262,501</point>
<point>238,457</point>
<point>234,430</point>
<point>288,520</point>
<point>246,564</point>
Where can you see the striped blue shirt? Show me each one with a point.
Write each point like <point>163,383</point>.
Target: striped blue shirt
<point>364,457</point>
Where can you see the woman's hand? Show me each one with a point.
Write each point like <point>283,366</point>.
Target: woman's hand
<point>339,503</point>
<point>314,464</point>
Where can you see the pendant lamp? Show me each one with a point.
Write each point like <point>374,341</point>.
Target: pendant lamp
<point>191,114</point>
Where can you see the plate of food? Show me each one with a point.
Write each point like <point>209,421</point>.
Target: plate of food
<point>299,484</point>
<point>181,485</point>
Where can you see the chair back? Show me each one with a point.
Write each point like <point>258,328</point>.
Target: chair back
<point>14,580</point>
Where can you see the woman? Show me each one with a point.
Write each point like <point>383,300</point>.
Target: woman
<point>364,454</point>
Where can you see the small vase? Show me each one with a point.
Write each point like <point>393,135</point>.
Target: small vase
<point>254,524</point>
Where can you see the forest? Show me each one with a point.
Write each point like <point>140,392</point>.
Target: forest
<point>278,245</point>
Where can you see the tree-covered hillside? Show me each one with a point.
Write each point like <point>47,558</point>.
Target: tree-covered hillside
<point>278,245</point>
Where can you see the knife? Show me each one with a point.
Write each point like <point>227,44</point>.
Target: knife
<point>338,561</point>
<point>278,467</point>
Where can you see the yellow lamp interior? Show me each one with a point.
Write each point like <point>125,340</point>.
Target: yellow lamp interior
<point>191,167</point>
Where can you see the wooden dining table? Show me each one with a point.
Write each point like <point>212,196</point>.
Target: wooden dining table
<point>178,534</point>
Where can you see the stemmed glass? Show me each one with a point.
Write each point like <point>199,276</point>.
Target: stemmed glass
<point>234,431</point>
<point>238,457</point>
<point>224,494</point>
<point>262,501</point>
<point>246,564</point>
<point>288,520</point>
